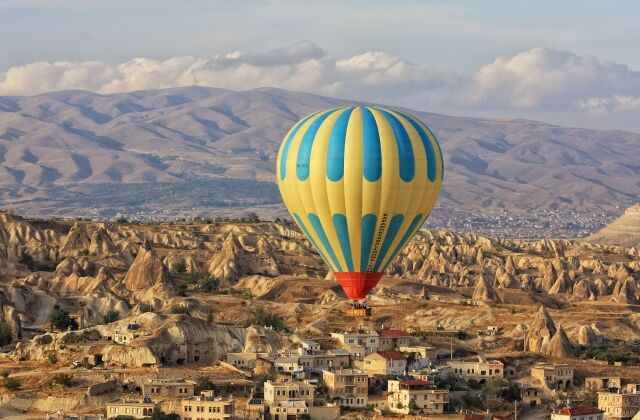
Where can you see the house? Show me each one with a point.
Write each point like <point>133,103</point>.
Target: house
<point>480,370</point>
<point>422,356</point>
<point>310,345</point>
<point>167,388</point>
<point>288,364</point>
<point>206,407</point>
<point>125,337</point>
<point>247,360</point>
<point>137,409</point>
<point>619,405</point>
<point>358,343</point>
<point>275,392</point>
<point>415,395</point>
<point>392,339</point>
<point>285,410</point>
<point>390,362</point>
<point>317,362</point>
<point>531,396</point>
<point>552,375</point>
<point>602,382</point>
<point>347,387</point>
<point>491,330</point>
<point>582,412</point>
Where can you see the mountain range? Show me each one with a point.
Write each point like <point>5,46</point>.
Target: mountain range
<point>62,152</point>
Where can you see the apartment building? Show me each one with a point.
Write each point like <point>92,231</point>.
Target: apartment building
<point>619,405</point>
<point>132,408</point>
<point>161,388</point>
<point>206,407</point>
<point>275,392</point>
<point>347,387</point>
<point>416,395</point>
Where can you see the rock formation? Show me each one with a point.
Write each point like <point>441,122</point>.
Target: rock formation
<point>540,332</point>
<point>484,291</point>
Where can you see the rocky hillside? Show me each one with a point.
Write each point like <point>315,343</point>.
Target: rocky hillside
<point>196,287</point>
<point>62,153</point>
<point>624,231</point>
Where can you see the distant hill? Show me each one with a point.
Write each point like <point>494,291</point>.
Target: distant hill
<point>63,148</point>
<point>624,231</point>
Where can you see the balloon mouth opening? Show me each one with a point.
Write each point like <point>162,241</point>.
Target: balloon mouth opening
<point>357,285</point>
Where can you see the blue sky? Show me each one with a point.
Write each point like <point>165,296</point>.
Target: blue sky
<point>451,41</point>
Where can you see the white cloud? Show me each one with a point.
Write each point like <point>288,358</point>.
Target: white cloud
<point>369,76</point>
<point>535,80</point>
<point>544,79</point>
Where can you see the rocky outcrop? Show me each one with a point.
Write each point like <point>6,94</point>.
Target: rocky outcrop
<point>540,332</point>
<point>625,291</point>
<point>484,291</point>
<point>148,279</point>
<point>586,336</point>
<point>76,242</point>
<point>12,320</point>
<point>234,261</point>
<point>101,244</point>
<point>560,345</point>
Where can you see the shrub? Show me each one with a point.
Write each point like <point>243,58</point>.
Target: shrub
<point>111,316</point>
<point>518,345</point>
<point>62,321</point>
<point>53,359</point>
<point>180,267</point>
<point>179,309</point>
<point>266,319</point>
<point>63,379</point>
<point>208,284</point>
<point>12,384</point>
<point>5,374</point>
<point>204,384</point>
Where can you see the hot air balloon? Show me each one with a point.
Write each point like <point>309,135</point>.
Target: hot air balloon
<point>359,182</point>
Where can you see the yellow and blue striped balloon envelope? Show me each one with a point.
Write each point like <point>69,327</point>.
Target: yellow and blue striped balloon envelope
<point>359,182</point>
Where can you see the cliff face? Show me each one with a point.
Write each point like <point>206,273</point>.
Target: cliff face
<point>162,340</point>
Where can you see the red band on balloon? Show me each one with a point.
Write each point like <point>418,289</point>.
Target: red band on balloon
<point>357,285</point>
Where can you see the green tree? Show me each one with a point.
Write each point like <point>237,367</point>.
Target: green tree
<point>208,284</point>
<point>180,267</point>
<point>321,387</point>
<point>12,384</point>
<point>63,379</point>
<point>5,333</point>
<point>62,321</point>
<point>111,316</point>
<point>179,309</point>
<point>413,405</point>
<point>518,345</point>
<point>266,319</point>
<point>204,384</point>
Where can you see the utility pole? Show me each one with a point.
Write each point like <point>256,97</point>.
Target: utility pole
<point>515,409</point>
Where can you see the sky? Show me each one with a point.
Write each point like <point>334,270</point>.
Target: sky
<point>573,63</point>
